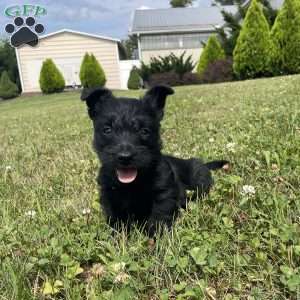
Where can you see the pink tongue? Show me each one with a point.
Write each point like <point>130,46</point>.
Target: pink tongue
<point>126,175</point>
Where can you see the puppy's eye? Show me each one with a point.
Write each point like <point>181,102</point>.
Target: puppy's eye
<point>145,131</point>
<point>107,129</point>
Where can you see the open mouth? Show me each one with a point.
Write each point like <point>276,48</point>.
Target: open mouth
<point>126,175</point>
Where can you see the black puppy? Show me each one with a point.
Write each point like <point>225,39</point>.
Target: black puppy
<point>138,183</point>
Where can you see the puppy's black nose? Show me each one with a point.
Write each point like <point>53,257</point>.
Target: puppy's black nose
<point>125,157</point>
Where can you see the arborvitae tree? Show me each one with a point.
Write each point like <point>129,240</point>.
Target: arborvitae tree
<point>91,72</point>
<point>82,72</point>
<point>51,79</point>
<point>134,80</point>
<point>230,31</point>
<point>99,72</point>
<point>130,45</point>
<point>8,62</point>
<point>8,89</point>
<point>286,36</point>
<point>212,51</point>
<point>252,55</point>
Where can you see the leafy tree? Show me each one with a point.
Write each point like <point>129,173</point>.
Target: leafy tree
<point>91,73</point>
<point>131,47</point>
<point>134,79</point>
<point>286,36</point>
<point>233,23</point>
<point>181,3</point>
<point>51,79</point>
<point>8,89</point>
<point>212,51</point>
<point>253,51</point>
<point>8,61</point>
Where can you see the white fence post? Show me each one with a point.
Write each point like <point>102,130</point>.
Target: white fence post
<point>125,68</point>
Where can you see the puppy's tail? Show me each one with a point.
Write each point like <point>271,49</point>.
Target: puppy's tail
<point>217,164</point>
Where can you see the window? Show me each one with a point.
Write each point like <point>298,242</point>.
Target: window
<point>173,41</point>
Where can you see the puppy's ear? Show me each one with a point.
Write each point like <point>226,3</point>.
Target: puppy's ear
<point>92,96</point>
<point>156,98</point>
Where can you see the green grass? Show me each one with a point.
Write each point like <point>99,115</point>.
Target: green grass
<point>227,246</point>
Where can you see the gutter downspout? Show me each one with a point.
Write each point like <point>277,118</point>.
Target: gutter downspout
<point>139,47</point>
<point>19,69</point>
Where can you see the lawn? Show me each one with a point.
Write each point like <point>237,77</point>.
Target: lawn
<point>241,242</point>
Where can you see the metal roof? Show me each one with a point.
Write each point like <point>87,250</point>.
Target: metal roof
<point>79,33</point>
<point>178,19</point>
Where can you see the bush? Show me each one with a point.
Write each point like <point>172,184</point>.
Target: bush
<point>212,51</point>
<point>91,73</point>
<point>167,64</point>
<point>144,72</point>
<point>51,79</point>
<point>252,55</point>
<point>8,62</point>
<point>180,65</point>
<point>286,37</point>
<point>173,79</point>
<point>8,89</point>
<point>134,79</point>
<point>218,71</point>
<point>82,72</point>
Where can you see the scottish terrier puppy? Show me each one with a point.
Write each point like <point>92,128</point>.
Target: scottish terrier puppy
<point>138,183</point>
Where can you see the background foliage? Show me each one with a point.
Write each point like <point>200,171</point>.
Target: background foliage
<point>212,51</point>
<point>233,22</point>
<point>8,62</point>
<point>181,3</point>
<point>51,79</point>
<point>253,53</point>
<point>134,80</point>
<point>286,37</point>
<point>171,63</point>
<point>91,72</point>
<point>8,89</point>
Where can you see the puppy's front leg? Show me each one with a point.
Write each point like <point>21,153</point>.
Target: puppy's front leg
<point>164,211</point>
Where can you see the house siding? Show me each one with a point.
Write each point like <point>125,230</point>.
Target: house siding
<point>67,50</point>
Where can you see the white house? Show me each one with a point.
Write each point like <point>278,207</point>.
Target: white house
<point>67,48</point>
<point>162,31</point>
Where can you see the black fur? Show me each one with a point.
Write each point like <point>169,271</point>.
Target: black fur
<point>127,136</point>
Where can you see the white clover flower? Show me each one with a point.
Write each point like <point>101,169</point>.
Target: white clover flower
<point>121,278</point>
<point>98,270</point>
<point>30,213</point>
<point>248,190</point>
<point>86,211</point>
<point>8,168</point>
<point>231,147</point>
<point>211,140</point>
